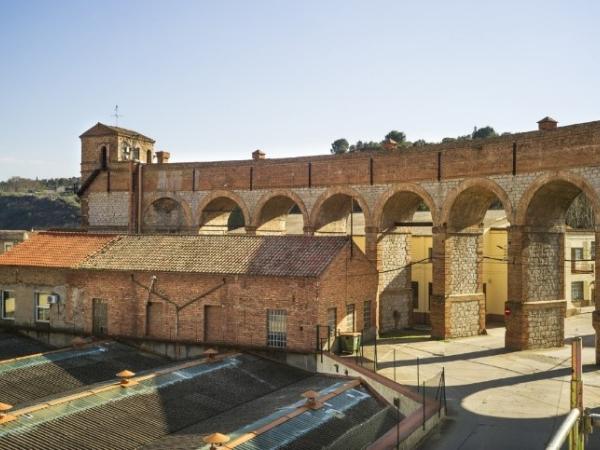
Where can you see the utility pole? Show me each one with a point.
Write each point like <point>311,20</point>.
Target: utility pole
<point>576,438</point>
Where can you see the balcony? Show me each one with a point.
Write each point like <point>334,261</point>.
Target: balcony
<point>582,267</point>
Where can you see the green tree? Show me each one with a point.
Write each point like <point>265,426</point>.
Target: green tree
<point>339,146</point>
<point>397,136</point>
<point>483,133</point>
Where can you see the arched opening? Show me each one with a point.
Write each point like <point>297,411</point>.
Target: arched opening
<point>557,254</point>
<point>560,245</point>
<point>475,256</point>
<point>404,248</point>
<point>341,214</point>
<point>164,215</point>
<point>103,157</point>
<point>222,215</point>
<point>280,215</point>
<point>148,156</point>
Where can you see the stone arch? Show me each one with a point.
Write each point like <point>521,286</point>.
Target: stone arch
<point>561,188</point>
<point>466,205</point>
<point>538,293</point>
<point>215,211</point>
<point>406,198</point>
<point>166,214</point>
<point>336,197</point>
<point>272,209</point>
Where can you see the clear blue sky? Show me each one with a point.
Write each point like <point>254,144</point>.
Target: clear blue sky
<point>218,79</point>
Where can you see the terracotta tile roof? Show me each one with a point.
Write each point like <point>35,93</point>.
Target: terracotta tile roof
<point>101,129</point>
<point>61,250</point>
<point>286,256</point>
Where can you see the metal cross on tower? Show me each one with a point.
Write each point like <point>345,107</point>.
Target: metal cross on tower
<point>116,115</point>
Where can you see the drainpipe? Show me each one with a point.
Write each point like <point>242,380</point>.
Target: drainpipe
<point>152,281</point>
<point>139,198</point>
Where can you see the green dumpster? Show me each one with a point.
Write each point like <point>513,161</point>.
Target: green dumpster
<point>350,342</point>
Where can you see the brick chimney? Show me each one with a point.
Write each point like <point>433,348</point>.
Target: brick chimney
<point>547,123</point>
<point>258,154</point>
<point>162,157</point>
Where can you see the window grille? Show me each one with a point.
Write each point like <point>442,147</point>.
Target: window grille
<point>277,328</point>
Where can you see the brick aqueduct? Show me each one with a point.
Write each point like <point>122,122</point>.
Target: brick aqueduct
<point>535,175</point>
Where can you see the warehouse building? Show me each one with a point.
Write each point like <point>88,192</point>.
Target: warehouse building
<point>246,291</point>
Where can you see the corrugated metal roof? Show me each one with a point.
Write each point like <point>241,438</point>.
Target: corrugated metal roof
<point>129,418</point>
<point>14,345</point>
<point>49,375</point>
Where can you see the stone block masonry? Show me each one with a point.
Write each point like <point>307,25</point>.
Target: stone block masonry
<point>395,293</point>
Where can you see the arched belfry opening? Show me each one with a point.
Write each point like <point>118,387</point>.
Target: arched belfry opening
<point>222,215</point>
<point>103,157</point>
<point>280,214</point>
<point>556,252</point>
<point>470,251</point>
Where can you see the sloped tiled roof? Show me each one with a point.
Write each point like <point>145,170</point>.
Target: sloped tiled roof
<point>59,250</point>
<point>101,129</point>
<point>287,256</point>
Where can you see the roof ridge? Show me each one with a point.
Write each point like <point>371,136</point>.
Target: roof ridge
<point>98,251</point>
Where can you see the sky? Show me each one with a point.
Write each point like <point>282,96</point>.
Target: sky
<point>215,80</point>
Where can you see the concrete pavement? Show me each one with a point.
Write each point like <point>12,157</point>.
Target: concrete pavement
<point>498,399</point>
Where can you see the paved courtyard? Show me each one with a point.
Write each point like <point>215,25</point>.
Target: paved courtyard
<point>498,399</point>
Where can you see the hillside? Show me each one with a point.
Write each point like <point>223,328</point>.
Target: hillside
<point>38,211</point>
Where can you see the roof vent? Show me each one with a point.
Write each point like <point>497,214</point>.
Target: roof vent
<point>125,376</point>
<point>4,416</point>
<point>312,400</point>
<point>547,123</point>
<point>210,354</point>
<point>216,440</point>
<point>258,154</point>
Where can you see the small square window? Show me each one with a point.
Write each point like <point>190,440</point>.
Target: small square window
<point>42,307</point>
<point>8,305</point>
<point>8,246</point>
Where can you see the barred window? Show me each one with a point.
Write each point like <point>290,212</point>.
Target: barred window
<point>350,318</point>
<point>366,315</point>
<point>332,319</point>
<point>8,305</point>
<point>277,328</point>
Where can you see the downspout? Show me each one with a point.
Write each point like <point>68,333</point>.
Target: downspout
<point>152,281</point>
<point>139,198</point>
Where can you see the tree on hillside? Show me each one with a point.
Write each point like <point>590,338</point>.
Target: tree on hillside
<point>397,136</point>
<point>361,146</point>
<point>483,133</point>
<point>339,146</point>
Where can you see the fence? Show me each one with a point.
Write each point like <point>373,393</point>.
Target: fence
<point>431,391</point>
